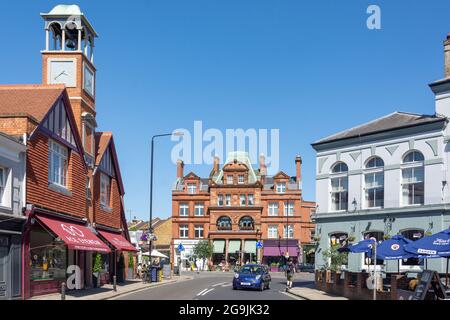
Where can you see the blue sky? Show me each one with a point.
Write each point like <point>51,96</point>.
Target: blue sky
<point>307,68</point>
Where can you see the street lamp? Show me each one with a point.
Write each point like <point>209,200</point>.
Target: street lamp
<point>150,229</point>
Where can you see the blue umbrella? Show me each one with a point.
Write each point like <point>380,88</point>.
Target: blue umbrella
<point>364,246</point>
<point>434,246</point>
<point>393,249</point>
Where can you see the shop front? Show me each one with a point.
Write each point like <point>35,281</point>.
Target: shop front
<point>58,250</point>
<point>117,262</point>
<point>277,252</point>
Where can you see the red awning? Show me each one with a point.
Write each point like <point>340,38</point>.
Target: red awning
<point>117,241</point>
<point>76,236</point>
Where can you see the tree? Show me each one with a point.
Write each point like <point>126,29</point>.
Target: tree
<point>204,250</point>
<point>336,258</point>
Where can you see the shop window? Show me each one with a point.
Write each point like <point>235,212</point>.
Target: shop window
<point>47,256</point>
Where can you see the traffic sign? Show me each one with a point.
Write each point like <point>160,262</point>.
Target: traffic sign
<point>180,247</point>
<point>259,245</point>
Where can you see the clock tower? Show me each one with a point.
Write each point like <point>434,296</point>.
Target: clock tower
<point>68,58</point>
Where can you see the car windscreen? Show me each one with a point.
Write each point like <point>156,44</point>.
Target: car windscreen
<point>250,270</point>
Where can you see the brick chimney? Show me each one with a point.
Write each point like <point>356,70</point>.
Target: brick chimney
<point>262,165</point>
<point>298,170</point>
<point>441,88</point>
<point>180,167</point>
<point>216,164</point>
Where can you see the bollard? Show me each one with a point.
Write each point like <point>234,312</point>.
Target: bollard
<point>115,283</point>
<point>63,291</point>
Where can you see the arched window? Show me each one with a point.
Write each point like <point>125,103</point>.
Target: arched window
<point>379,236</point>
<point>374,183</point>
<point>339,187</point>
<point>413,186</point>
<point>55,36</point>
<point>224,223</point>
<point>339,168</point>
<point>246,223</point>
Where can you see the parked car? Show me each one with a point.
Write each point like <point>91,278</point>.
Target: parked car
<point>252,276</point>
<point>305,267</point>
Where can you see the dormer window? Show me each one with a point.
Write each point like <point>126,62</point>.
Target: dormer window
<point>230,179</point>
<point>241,179</point>
<point>192,188</point>
<point>281,187</point>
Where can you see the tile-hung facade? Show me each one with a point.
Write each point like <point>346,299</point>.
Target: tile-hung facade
<point>235,207</point>
<point>73,198</point>
<point>12,219</point>
<point>389,176</point>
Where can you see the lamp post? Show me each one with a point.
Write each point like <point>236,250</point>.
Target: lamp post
<point>150,229</point>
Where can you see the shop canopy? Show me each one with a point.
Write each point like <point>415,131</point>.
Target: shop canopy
<point>280,251</point>
<point>76,236</point>
<point>156,253</point>
<point>250,246</point>
<point>234,246</point>
<point>117,241</point>
<point>219,246</point>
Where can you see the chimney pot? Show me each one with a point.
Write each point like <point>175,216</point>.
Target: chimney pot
<point>216,164</point>
<point>262,165</point>
<point>298,167</point>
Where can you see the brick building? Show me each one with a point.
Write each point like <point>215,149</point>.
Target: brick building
<point>237,206</point>
<point>74,192</point>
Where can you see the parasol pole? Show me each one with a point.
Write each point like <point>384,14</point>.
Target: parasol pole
<point>375,271</point>
<point>446,273</point>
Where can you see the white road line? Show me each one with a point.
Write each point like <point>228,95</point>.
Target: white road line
<point>207,292</point>
<point>201,292</point>
<point>226,285</point>
<point>218,284</point>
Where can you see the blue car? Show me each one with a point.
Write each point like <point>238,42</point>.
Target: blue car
<point>252,276</point>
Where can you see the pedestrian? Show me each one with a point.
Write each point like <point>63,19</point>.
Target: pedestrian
<point>144,273</point>
<point>290,271</point>
<point>139,271</point>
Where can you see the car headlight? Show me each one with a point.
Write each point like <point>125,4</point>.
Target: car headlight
<point>236,275</point>
<point>258,277</point>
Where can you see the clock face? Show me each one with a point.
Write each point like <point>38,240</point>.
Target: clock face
<point>88,83</point>
<point>63,72</point>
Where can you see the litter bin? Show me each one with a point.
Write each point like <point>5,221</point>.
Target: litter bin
<point>154,274</point>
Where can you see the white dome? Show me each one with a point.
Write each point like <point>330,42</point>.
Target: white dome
<point>64,9</point>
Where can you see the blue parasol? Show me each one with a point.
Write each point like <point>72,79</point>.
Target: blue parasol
<point>364,246</point>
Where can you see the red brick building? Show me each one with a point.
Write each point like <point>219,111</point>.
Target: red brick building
<point>238,206</point>
<point>74,189</point>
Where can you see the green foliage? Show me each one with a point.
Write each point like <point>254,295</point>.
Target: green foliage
<point>130,260</point>
<point>337,258</point>
<point>204,249</point>
<point>97,263</point>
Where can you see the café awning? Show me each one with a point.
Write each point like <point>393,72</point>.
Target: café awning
<point>219,246</point>
<point>117,241</point>
<point>234,246</point>
<point>250,246</point>
<point>280,251</point>
<point>76,236</point>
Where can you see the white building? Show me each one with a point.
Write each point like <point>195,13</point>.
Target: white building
<point>385,177</point>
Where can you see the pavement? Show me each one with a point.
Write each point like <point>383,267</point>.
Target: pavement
<point>107,290</point>
<point>313,294</point>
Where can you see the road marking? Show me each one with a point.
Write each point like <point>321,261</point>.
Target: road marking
<point>207,292</point>
<point>218,284</point>
<point>201,292</point>
<point>291,295</point>
<point>226,285</point>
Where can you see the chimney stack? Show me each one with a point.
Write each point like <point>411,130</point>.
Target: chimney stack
<point>298,171</point>
<point>216,164</point>
<point>447,56</point>
<point>180,169</point>
<point>262,165</point>
<point>441,88</point>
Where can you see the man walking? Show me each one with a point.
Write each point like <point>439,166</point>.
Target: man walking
<point>290,271</point>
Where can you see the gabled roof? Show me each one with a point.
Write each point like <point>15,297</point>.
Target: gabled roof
<point>281,174</point>
<point>103,141</point>
<point>242,157</point>
<point>36,101</point>
<point>393,121</point>
<point>33,101</point>
<point>191,175</point>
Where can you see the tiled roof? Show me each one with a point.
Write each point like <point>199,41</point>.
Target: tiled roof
<point>28,100</point>
<point>395,120</point>
<point>101,143</point>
